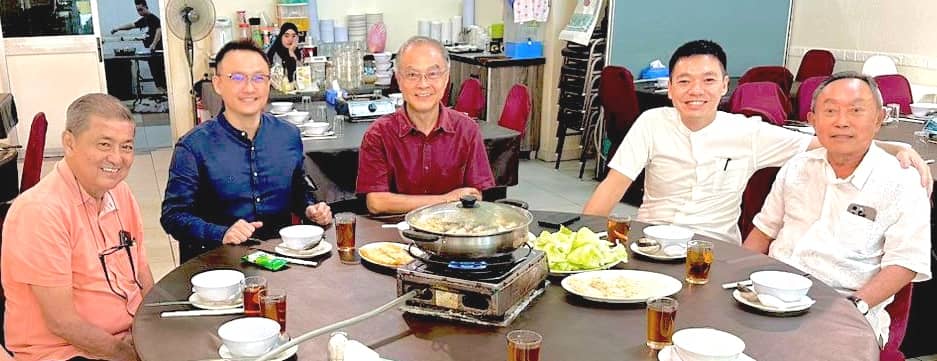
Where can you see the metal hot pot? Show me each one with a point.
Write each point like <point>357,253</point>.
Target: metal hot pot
<point>469,228</point>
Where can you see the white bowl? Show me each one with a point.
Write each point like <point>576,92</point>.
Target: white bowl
<point>382,56</point>
<point>297,117</point>
<point>217,285</point>
<point>707,344</point>
<point>669,235</point>
<point>788,287</point>
<point>316,128</point>
<point>921,109</point>
<point>301,236</point>
<point>281,107</point>
<point>250,336</point>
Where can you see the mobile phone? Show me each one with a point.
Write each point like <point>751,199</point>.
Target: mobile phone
<point>557,220</point>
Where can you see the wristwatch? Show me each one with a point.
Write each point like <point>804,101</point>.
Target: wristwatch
<point>860,304</point>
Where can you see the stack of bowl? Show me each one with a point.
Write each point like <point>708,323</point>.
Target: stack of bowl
<point>383,68</point>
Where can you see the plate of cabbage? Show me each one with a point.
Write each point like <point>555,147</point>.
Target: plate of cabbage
<point>571,252</point>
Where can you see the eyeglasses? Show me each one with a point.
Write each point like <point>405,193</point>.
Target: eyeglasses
<point>415,76</point>
<point>126,241</point>
<point>241,78</point>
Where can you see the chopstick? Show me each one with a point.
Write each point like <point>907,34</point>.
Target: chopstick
<point>733,285</point>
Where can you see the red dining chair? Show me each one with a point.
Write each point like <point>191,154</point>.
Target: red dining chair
<point>32,164</point>
<point>761,98</point>
<point>471,98</point>
<point>516,109</point>
<point>446,94</point>
<point>895,89</point>
<point>776,74</point>
<point>805,95</point>
<point>756,191</point>
<point>898,310</point>
<point>815,62</point>
<point>619,101</point>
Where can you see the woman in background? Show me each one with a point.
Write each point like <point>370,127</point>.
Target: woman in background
<point>285,50</point>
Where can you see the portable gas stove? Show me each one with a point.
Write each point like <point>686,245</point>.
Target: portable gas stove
<point>488,292</point>
<point>363,108</point>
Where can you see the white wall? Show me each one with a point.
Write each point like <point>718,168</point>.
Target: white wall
<point>400,16</point>
<point>856,29</point>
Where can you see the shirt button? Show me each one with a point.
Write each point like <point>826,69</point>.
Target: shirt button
<point>426,167</point>
<point>244,134</point>
<point>255,174</point>
<point>257,200</point>
<point>252,148</point>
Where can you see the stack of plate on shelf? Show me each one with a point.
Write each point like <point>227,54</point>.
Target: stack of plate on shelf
<point>383,68</point>
<point>373,18</point>
<point>357,27</point>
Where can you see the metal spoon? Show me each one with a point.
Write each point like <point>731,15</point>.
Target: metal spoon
<point>747,293</point>
<point>649,246</point>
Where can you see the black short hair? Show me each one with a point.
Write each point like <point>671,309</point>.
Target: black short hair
<point>245,45</point>
<point>699,47</point>
<point>141,3</point>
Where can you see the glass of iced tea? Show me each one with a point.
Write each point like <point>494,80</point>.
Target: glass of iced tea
<point>254,287</point>
<point>273,305</point>
<point>345,231</point>
<point>661,317</point>
<point>699,260</point>
<point>524,345</point>
<point>618,227</point>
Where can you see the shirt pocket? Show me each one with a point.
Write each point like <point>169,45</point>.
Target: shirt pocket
<point>856,238</point>
<point>729,175</point>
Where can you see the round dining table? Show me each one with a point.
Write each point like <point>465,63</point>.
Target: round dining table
<point>572,328</point>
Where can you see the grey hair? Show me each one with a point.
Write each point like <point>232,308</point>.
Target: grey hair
<point>423,40</point>
<point>102,105</point>
<point>868,80</point>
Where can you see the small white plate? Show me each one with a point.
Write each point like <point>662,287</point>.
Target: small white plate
<point>659,255</point>
<point>759,306</point>
<point>653,284</point>
<point>226,354</point>
<point>197,301</point>
<point>668,354</point>
<point>322,248</point>
<point>280,113</point>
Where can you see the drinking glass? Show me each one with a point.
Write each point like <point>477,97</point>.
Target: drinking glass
<point>618,227</point>
<point>661,317</point>
<point>524,345</point>
<point>273,306</point>
<point>345,237</point>
<point>699,260</point>
<point>254,287</point>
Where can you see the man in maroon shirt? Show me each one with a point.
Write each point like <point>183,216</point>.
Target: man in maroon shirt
<point>424,153</point>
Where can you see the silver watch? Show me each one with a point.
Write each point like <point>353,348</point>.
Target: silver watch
<point>860,304</point>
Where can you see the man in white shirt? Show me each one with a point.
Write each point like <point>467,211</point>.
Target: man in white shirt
<point>847,213</point>
<point>698,159</point>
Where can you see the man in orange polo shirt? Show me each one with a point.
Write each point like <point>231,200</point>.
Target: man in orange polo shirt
<point>73,264</point>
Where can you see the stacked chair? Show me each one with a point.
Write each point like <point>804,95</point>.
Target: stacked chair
<point>578,112</point>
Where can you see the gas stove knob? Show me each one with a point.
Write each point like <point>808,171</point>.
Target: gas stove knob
<point>372,107</point>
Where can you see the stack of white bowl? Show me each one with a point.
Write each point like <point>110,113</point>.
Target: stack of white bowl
<point>357,27</point>
<point>373,18</point>
<point>383,68</point>
<point>327,30</point>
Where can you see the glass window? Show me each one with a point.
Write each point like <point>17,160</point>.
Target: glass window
<point>23,18</point>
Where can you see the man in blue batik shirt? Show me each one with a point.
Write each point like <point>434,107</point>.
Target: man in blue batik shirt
<point>239,175</point>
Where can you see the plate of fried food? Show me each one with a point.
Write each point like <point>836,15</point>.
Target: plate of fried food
<point>386,254</point>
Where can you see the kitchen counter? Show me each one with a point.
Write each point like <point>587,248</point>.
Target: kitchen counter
<point>494,60</point>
